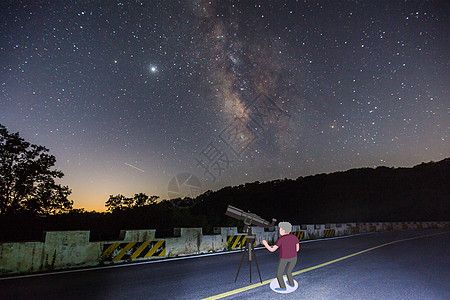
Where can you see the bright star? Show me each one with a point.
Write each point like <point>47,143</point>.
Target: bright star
<point>153,69</point>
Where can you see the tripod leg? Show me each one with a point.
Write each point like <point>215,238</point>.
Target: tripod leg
<point>248,246</point>
<point>256,262</point>
<point>250,264</point>
<point>242,259</point>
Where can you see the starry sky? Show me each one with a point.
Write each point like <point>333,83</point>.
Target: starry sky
<point>129,94</point>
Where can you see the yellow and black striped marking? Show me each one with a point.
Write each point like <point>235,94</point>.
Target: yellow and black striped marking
<point>237,241</point>
<point>133,250</point>
<point>372,228</point>
<point>354,230</point>
<point>329,232</point>
<point>299,234</point>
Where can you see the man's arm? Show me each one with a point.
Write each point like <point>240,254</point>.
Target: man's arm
<point>271,249</point>
<point>298,247</point>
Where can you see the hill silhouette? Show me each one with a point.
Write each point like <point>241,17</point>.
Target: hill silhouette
<point>419,193</point>
<point>384,194</point>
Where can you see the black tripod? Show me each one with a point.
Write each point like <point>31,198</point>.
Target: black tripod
<point>249,248</point>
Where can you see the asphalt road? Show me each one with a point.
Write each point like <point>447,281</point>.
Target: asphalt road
<point>410,269</point>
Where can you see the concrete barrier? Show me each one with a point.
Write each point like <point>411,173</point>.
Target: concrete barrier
<point>397,226</point>
<point>21,257</point>
<point>341,229</point>
<point>137,235</point>
<point>72,249</point>
<point>61,249</point>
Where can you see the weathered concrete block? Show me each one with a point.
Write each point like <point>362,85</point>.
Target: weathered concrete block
<point>363,227</point>
<point>213,243</point>
<point>273,228</point>
<point>296,228</point>
<point>64,249</point>
<point>341,229</point>
<point>67,237</point>
<point>270,237</point>
<point>226,231</point>
<point>21,257</point>
<point>257,229</point>
<point>187,232</point>
<point>397,226</point>
<point>140,235</point>
<point>187,241</point>
<point>64,256</point>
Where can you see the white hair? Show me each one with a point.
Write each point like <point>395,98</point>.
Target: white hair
<point>286,226</point>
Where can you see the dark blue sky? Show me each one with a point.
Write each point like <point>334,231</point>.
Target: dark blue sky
<point>128,94</point>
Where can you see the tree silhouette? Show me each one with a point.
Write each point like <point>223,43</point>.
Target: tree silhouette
<point>120,202</point>
<point>117,202</point>
<point>142,199</point>
<point>27,182</point>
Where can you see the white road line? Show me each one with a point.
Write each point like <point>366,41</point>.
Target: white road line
<point>165,260</point>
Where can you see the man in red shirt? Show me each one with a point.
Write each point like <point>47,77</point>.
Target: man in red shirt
<point>289,246</point>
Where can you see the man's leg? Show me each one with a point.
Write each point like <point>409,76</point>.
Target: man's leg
<point>290,267</point>
<point>281,266</point>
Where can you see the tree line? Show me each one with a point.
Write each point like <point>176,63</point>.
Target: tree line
<point>31,202</point>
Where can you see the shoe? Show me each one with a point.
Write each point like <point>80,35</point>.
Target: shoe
<point>280,289</point>
<point>287,282</point>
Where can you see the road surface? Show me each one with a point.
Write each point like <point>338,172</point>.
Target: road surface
<point>412,264</point>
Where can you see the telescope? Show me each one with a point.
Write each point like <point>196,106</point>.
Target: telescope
<point>249,219</point>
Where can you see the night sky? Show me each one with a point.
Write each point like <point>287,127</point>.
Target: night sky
<point>128,94</point>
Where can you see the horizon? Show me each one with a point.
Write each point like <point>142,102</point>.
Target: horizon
<point>303,176</point>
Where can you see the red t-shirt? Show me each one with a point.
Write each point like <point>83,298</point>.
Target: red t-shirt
<point>287,244</point>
